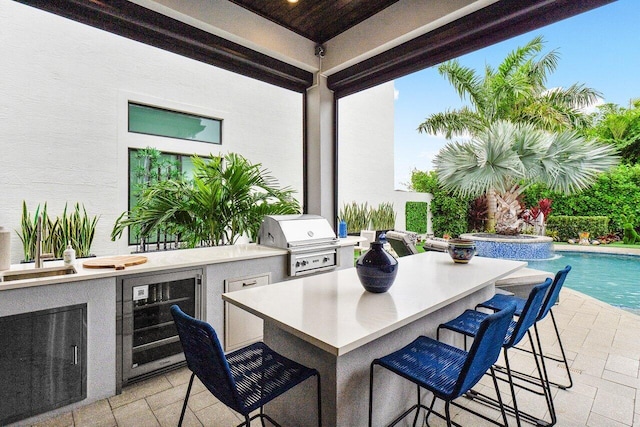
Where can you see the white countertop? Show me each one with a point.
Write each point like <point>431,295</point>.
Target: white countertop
<point>333,311</point>
<point>157,261</point>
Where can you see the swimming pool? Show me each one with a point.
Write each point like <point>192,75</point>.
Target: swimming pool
<point>614,279</point>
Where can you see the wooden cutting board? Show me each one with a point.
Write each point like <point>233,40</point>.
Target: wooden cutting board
<point>118,262</point>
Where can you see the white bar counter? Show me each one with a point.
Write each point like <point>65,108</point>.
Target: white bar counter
<point>329,322</point>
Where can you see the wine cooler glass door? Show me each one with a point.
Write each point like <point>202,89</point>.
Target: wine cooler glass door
<point>150,340</point>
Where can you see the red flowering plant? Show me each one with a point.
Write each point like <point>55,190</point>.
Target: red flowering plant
<point>530,216</point>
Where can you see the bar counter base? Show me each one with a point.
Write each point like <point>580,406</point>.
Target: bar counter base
<point>345,378</point>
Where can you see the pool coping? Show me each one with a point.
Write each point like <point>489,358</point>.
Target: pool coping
<point>596,249</point>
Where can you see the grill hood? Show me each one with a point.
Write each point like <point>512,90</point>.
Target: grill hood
<point>295,231</point>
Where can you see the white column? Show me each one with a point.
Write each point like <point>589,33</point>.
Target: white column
<point>320,155</point>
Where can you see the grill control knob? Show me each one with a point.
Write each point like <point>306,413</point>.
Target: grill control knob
<point>326,259</point>
<point>297,263</point>
<point>304,263</point>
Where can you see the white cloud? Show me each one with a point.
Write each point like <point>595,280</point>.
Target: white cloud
<point>593,107</point>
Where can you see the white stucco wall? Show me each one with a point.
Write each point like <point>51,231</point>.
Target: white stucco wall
<point>64,89</point>
<point>365,152</point>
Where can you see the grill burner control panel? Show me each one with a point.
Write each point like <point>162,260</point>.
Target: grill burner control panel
<point>312,262</point>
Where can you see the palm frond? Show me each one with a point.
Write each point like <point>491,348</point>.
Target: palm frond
<point>464,80</point>
<point>575,96</point>
<point>516,58</point>
<point>452,122</point>
<point>487,162</point>
<point>572,162</point>
<point>540,69</point>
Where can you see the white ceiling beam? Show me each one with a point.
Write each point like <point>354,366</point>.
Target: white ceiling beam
<point>397,24</point>
<point>236,24</point>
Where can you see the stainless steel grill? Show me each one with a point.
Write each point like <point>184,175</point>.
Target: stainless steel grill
<point>311,242</point>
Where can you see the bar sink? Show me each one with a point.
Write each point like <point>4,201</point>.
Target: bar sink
<point>37,273</point>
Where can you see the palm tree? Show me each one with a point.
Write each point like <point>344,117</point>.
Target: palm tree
<point>504,159</point>
<point>515,91</point>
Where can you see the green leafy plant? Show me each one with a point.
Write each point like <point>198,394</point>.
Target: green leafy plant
<point>227,197</point>
<point>149,166</point>
<point>76,228</point>
<point>357,216</point>
<point>383,217</point>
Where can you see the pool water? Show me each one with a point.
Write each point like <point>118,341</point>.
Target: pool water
<point>614,279</point>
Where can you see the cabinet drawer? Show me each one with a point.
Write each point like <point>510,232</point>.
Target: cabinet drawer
<point>242,328</point>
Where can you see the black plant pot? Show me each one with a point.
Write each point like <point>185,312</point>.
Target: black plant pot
<point>377,269</point>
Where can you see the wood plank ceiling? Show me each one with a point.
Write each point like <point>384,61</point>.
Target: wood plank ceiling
<point>317,20</point>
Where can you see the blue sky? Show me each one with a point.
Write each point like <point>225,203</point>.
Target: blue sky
<point>600,49</point>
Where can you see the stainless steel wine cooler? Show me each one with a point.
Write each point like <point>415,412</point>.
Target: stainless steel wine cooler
<point>147,339</point>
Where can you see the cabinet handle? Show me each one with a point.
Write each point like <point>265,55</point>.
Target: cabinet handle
<point>251,283</point>
<point>75,354</point>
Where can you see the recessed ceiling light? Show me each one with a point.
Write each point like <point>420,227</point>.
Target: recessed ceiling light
<point>292,1</point>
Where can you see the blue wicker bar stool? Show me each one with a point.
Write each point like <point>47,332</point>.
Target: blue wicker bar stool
<point>244,380</point>
<point>499,301</point>
<point>468,324</point>
<point>446,371</point>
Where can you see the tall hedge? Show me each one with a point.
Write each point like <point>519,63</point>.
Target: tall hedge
<point>449,212</point>
<point>416,216</point>
<point>614,194</point>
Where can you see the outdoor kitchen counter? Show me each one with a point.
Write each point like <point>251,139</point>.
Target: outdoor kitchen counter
<point>332,312</point>
<point>97,288</point>
<point>157,261</point>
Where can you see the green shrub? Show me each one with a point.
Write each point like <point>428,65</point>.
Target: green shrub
<point>448,212</point>
<point>568,227</point>
<point>416,216</point>
<point>615,194</point>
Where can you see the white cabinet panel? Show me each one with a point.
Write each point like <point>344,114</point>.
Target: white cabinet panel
<point>242,328</point>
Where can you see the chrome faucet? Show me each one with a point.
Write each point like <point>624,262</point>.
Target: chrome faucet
<point>39,256</point>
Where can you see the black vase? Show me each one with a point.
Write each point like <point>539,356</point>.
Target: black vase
<point>377,269</point>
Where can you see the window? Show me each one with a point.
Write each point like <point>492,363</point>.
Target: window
<point>147,166</point>
<point>173,124</point>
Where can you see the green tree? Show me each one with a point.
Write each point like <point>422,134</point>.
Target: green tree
<point>227,197</point>
<point>503,160</point>
<point>514,91</point>
<point>621,127</point>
